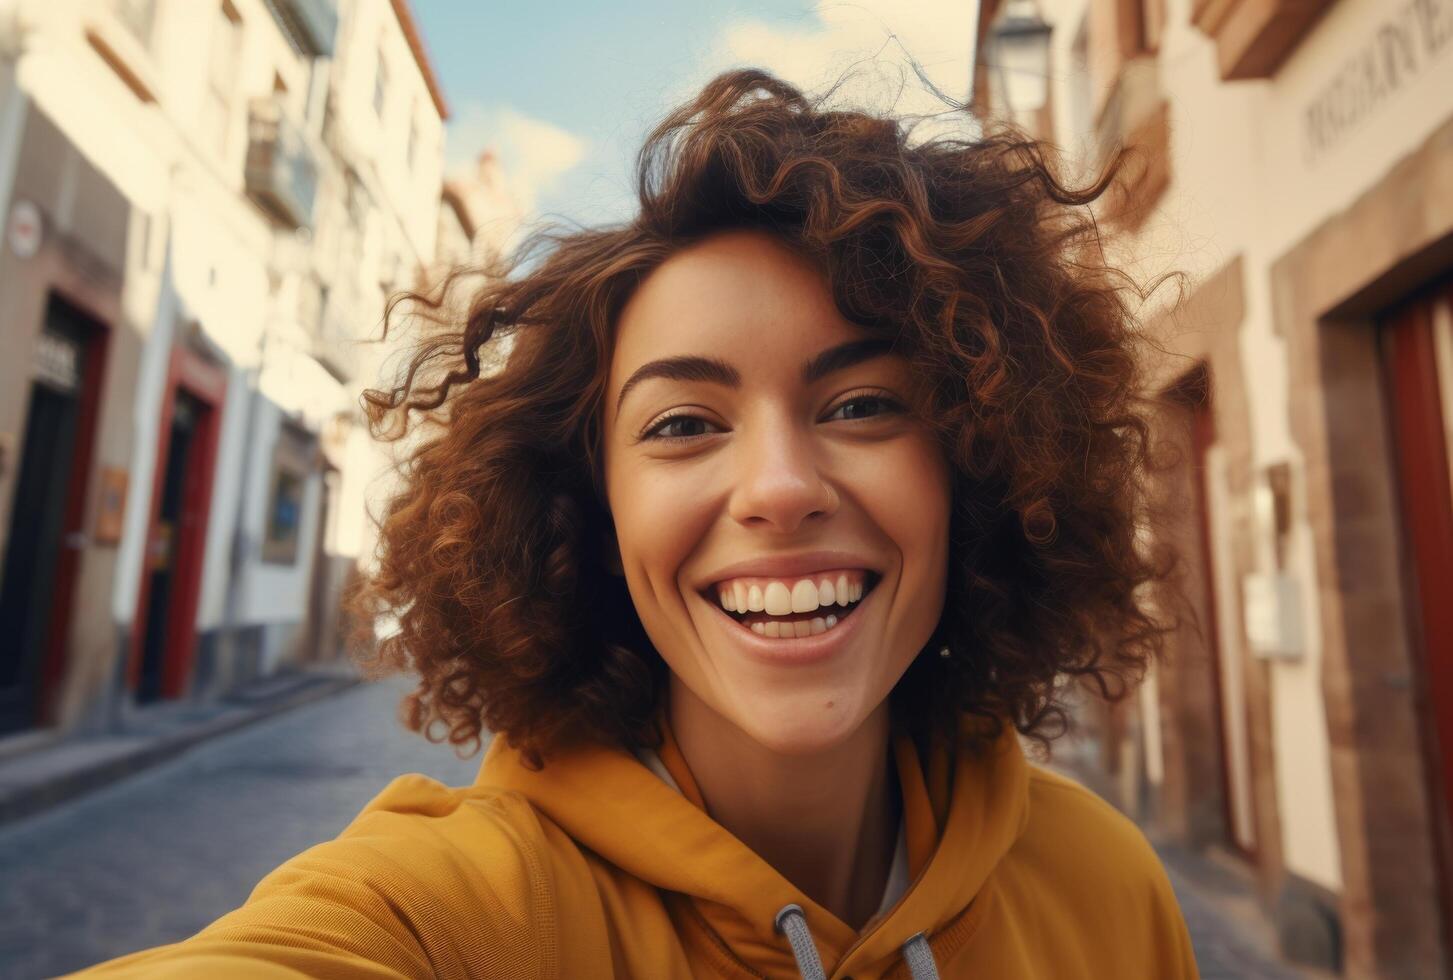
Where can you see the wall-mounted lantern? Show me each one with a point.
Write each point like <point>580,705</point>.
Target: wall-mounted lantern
<point>1018,59</point>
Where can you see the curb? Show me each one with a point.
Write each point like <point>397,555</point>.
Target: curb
<point>25,798</point>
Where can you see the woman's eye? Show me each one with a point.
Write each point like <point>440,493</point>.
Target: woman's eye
<point>678,427</point>
<point>863,406</point>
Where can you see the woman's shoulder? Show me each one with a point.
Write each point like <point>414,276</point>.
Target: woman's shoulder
<point>428,880</point>
<point>470,836</point>
<point>1082,837</point>
<point>428,850</point>
<point>419,806</point>
<point>1093,871</point>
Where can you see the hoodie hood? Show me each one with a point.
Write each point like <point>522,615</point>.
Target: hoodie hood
<point>962,811</point>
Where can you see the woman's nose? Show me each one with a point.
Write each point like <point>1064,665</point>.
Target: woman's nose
<point>779,479</point>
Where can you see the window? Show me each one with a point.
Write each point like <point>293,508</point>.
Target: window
<point>291,464</point>
<point>284,510</point>
<point>221,77</point>
<point>380,86</point>
<point>412,152</point>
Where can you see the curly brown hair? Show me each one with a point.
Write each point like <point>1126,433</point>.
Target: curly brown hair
<point>973,255</point>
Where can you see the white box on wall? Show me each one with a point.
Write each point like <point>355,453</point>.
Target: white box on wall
<point>1272,606</point>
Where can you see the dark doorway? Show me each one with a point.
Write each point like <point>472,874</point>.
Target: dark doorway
<point>44,537</point>
<point>321,628</point>
<point>165,630</point>
<point>1191,684</point>
<point>165,564</point>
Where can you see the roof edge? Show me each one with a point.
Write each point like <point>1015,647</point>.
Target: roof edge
<point>405,15</point>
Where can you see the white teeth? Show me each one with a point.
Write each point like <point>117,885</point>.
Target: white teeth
<point>796,628</point>
<point>781,599</point>
<point>777,601</point>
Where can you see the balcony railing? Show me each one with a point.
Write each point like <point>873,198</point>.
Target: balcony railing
<point>311,24</point>
<point>282,170</point>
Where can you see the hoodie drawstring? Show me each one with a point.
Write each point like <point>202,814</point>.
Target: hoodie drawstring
<point>792,922</point>
<point>919,957</point>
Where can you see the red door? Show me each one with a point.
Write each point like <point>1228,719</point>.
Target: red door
<point>165,630</point>
<point>1417,351</point>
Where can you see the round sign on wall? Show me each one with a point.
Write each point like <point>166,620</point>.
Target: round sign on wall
<point>24,229</point>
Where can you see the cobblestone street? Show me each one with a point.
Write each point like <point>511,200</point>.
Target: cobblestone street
<point>157,857</point>
<point>153,859</point>
<point>1228,946</point>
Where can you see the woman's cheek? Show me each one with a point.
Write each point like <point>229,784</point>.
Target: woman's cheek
<point>661,518</point>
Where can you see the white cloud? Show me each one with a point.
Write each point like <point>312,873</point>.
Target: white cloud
<point>880,45</point>
<point>533,154</point>
<point>876,47</point>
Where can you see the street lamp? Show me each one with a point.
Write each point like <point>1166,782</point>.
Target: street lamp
<point>1018,51</point>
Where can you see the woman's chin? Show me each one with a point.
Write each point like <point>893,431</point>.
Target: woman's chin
<point>799,725</point>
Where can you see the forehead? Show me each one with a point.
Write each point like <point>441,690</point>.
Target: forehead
<point>742,296</point>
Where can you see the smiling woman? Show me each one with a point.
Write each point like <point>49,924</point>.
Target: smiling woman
<point>780,440</point>
<point>786,512</point>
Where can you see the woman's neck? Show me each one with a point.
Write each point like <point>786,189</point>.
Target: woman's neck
<point>827,821</point>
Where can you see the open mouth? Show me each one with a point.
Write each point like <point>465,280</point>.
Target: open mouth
<point>782,609</point>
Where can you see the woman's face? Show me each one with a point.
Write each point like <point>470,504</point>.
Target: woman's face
<point>764,472</point>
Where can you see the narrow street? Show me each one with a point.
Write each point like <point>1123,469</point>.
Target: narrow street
<point>153,859</point>
<point>157,857</point>
<point>1233,940</point>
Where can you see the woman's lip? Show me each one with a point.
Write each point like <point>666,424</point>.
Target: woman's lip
<point>790,566</point>
<point>794,651</point>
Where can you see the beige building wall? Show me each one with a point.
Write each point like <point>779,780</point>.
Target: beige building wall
<point>383,203</point>
<point>1293,164</point>
<point>164,114</point>
<point>1248,179</point>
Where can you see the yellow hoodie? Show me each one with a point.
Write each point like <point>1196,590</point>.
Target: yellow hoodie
<point>597,867</point>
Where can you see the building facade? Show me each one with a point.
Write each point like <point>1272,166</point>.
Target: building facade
<point>210,202</point>
<point>1295,161</point>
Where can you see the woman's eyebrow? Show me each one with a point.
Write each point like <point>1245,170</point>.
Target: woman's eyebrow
<point>683,368</point>
<point>688,367</point>
<point>843,356</point>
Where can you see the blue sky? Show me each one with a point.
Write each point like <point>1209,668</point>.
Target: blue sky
<point>564,90</point>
